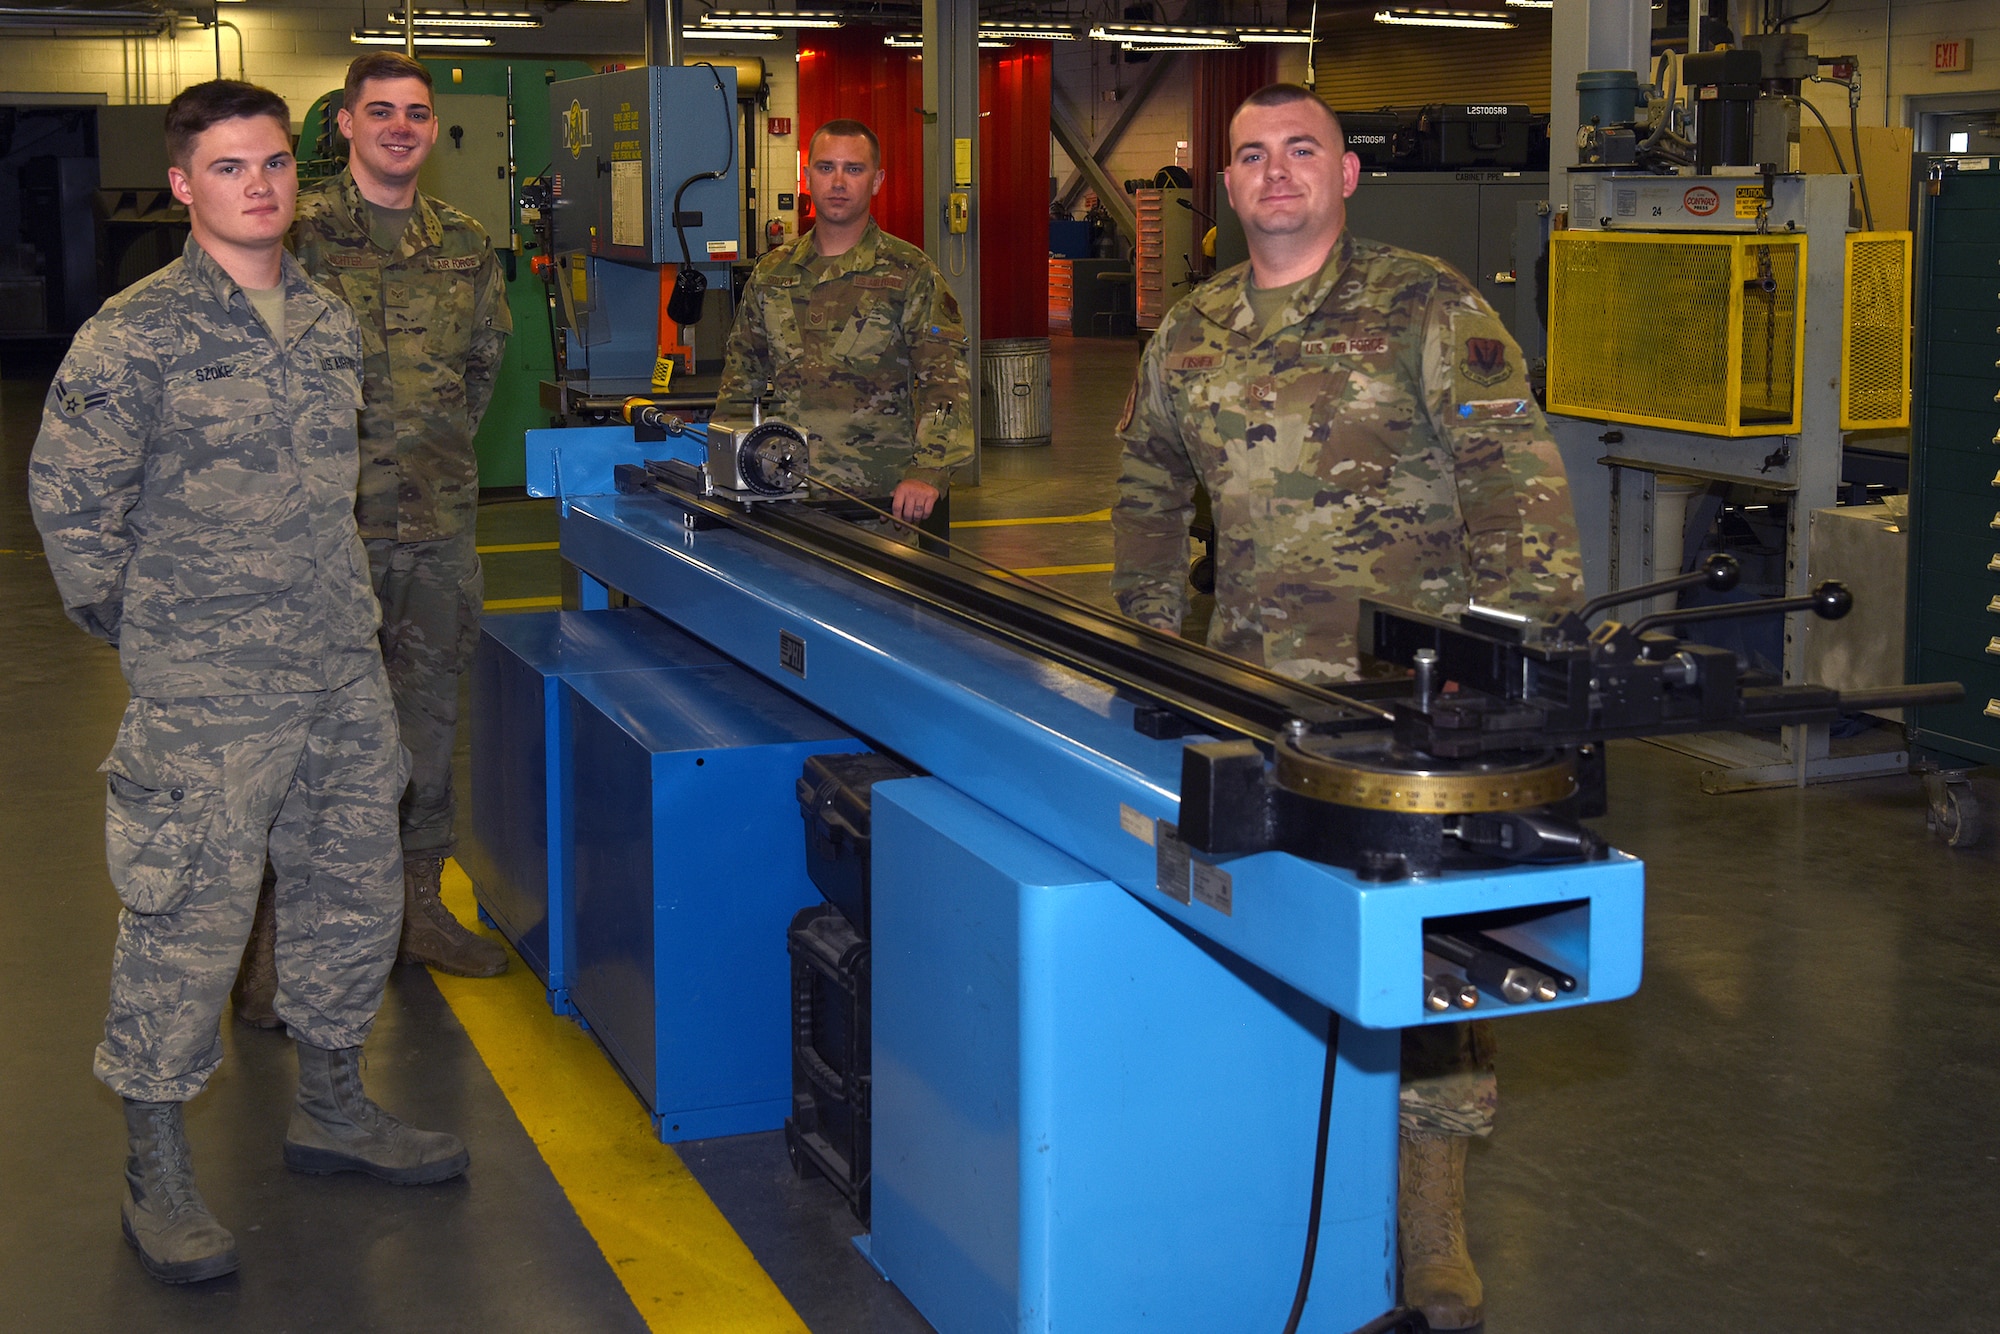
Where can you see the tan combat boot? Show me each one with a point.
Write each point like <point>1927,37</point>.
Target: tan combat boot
<point>431,935</point>
<point>256,990</point>
<point>163,1215</point>
<point>1438,1278</point>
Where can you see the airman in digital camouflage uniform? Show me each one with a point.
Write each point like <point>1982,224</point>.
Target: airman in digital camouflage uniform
<point>1363,424</point>
<point>431,299</point>
<point>852,336</point>
<point>193,485</point>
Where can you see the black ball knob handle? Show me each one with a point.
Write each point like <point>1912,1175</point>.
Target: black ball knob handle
<point>1723,572</point>
<point>1831,601</point>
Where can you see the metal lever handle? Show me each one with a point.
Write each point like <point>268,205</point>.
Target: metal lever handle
<point>1830,601</point>
<point>1902,697</point>
<point>1718,574</point>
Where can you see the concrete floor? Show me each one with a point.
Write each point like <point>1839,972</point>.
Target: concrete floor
<point>1788,1129</point>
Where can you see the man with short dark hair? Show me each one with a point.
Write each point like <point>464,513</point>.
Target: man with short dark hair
<point>1363,423</point>
<point>192,483</point>
<point>431,298</point>
<point>852,336</point>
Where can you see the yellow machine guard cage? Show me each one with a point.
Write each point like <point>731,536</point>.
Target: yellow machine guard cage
<point>1875,332</point>
<point>1692,332</point>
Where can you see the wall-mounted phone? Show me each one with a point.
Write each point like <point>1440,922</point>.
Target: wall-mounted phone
<point>958,211</point>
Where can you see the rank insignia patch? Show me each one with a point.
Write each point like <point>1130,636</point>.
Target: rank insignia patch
<point>1485,360</point>
<point>75,402</point>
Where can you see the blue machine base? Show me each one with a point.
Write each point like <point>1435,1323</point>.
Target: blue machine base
<point>686,864</point>
<point>1087,1118</point>
<point>517,854</point>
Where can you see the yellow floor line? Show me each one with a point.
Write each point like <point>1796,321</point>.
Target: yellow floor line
<point>683,1266</point>
<point>528,604</point>
<point>1043,571</point>
<point>500,547</point>
<point>1096,516</point>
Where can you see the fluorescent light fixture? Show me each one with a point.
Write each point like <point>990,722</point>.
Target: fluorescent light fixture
<point>1444,18</point>
<point>770,18</point>
<point>1297,36</point>
<point>732,35</point>
<point>1028,32</point>
<point>470,18</point>
<point>385,37</point>
<point>1531,4</point>
<point>1170,50</point>
<point>905,41</point>
<point>1159,36</point>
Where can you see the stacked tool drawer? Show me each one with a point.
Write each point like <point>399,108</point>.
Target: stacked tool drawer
<point>1955,461</point>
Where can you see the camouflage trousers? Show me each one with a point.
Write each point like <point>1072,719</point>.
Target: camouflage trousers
<point>198,792</point>
<point>1448,1083</point>
<point>431,594</point>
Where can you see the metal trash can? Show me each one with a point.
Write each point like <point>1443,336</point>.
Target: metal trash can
<point>1014,391</point>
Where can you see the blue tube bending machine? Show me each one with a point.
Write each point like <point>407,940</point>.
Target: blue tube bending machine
<point>1145,928</point>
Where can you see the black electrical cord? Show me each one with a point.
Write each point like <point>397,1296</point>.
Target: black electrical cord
<point>1319,1172</point>
<point>690,285</point>
<point>1860,174</point>
<point>1831,142</point>
<point>1784,18</point>
<point>728,139</point>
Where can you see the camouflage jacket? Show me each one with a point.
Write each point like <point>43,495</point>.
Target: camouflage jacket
<point>194,486</point>
<point>1378,439</point>
<point>868,359</point>
<point>434,323</point>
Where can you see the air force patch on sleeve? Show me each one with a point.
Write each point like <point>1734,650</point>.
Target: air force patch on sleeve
<point>1485,361</point>
<point>73,402</point>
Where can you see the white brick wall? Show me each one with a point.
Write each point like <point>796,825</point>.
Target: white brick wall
<point>1895,40</point>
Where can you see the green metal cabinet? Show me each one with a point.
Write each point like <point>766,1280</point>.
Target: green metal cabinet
<point>1954,626</point>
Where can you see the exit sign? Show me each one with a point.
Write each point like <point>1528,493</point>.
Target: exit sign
<point>1952,55</point>
<point>779,124</point>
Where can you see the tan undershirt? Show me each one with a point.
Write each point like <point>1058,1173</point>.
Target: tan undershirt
<point>269,303</point>
<point>387,225</point>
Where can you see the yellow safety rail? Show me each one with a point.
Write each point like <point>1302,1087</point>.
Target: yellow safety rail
<point>1875,332</point>
<point>1688,331</point>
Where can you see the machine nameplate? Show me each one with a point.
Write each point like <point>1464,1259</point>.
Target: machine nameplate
<point>1173,863</point>
<point>1134,823</point>
<point>628,203</point>
<point>1212,886</point>
<point>792,653</point>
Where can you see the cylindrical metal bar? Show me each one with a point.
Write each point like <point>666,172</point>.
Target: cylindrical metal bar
<point>663,33</point>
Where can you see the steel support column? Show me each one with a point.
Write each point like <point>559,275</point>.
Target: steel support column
<point>663,33</point>
<point>1107,138</point>
<point>951,118</point>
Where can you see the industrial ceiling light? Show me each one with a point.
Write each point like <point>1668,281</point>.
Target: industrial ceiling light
<point>771,18</point>
<point>1531,4</point>
<point>1274,36</point>
<point>1138,47</point>
<point>1160,36</point>
<point>1444,18</point>
<point>733,35</point>
<point>471,18</point>
<point>385,37</point>
<point>914,41</point>
<point>1002,29</point>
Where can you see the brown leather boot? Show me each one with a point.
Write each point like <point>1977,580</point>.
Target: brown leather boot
<point>256,991</point>
<point>431,935</point>
<point>1438,1277</point>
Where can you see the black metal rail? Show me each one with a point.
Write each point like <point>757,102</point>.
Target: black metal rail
<point>1211,691</point>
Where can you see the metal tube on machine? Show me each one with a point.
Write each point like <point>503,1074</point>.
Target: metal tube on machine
<point>1493,972</point>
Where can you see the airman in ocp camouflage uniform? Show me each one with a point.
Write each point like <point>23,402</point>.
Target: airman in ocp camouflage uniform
<point>193,486</point>
<point>851,335</point>
<point>431,299</point>
<point>1363,424</point>
<point>865,355</point>
<point>1376,438</point>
